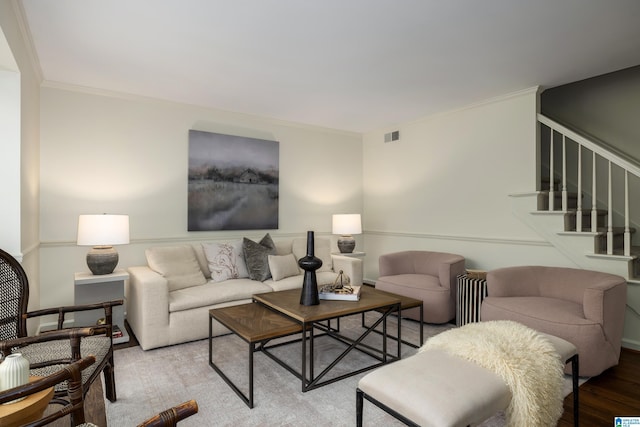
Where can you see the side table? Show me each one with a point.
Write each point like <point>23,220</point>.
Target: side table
<point>91,289</point>
<point>354,254</point>
<point>470,293</point>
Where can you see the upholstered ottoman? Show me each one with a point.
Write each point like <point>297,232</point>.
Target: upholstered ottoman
<point>436,388</point>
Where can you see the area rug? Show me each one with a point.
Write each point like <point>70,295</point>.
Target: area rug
<point>150,381</point>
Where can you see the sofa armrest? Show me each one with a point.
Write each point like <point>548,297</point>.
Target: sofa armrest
<point>147,295</point>
<point>352,267</point>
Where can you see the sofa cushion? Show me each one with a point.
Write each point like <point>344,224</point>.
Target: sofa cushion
<point>256,255</point>
<point>178,264</point>
<point>225,260</point>
<point>282,266</point>
<point>321,249</point>
<point>215,293</point>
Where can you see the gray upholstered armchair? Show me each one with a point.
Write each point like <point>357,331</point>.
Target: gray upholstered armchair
<point>424,275</point>
<point>583,307</point>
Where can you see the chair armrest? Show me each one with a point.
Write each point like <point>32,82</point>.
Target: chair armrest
<point>71,372</point>
<point>395,263</point>
<point>513,282</point>
<point>605,303</point>
<point>451,266</point>
<point>350,266</point>
<point>172,415</point>
<point>74,336</point>
<point>107,306</point>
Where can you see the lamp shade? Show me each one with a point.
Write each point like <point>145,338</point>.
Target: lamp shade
<point>103,230</point>
<point>347,224</point>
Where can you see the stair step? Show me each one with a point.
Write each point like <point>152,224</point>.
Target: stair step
<point>570,219</point>
<point>618,239</point>
<point>543,200</point>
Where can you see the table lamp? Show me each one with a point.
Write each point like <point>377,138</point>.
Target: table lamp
<point>102,232</point>
<point>345,225</point>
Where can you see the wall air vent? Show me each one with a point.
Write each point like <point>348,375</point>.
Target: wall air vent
<point>392,136</point>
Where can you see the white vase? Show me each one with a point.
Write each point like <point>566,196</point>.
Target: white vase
<point>14,371</point>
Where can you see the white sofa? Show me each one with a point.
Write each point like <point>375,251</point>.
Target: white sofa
<point>168,300</point>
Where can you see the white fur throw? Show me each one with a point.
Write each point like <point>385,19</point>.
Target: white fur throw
<point>524,359</point>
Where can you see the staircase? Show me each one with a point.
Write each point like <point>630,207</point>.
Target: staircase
<point>583,207</point>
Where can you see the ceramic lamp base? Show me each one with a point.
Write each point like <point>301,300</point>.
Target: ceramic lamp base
<point>346,244</point>
<point>102,260</point>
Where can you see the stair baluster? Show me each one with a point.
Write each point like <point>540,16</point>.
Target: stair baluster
<point>594,196</point>
<point>564,174</point>
<point>627,229</point>
<point>610,214</point>
<point>579,201</point>
<point>552,184</point>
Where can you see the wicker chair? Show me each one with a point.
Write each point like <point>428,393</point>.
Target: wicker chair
<point>171,416</point>
<point>71,375</point>
<point>52,351</point>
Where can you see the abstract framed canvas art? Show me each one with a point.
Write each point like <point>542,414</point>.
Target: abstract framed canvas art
<point>233,182</point>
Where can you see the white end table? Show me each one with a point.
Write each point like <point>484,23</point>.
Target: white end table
<point>90,289</point>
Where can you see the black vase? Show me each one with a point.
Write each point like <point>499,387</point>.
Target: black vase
<point>309,264</point>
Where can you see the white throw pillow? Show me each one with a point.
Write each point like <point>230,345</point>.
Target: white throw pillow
<point>225,260</point>
<point>282,266</point>
<point>322,250</point>
<point>178,264</point>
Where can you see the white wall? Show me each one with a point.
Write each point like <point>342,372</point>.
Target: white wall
<point>10,154</point>
<point>445,186</point>
<point>120,154</point>
<point>20,148</point>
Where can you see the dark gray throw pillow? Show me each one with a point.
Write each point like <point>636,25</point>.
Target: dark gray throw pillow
<point>256,255</point>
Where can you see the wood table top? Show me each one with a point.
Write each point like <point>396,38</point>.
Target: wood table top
<point>405,302</point>
<point>288,303</point>
<point>254,322</point>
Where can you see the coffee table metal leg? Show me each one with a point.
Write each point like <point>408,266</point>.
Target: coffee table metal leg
<point>311,353</point>
<point>421,325</point>
<point>399,340</point>
<point>248,400</point>
<point>304,357</point>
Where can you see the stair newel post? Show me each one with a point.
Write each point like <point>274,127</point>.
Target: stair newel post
<point>610,214</point>
<point>594,198</point>
<point>627,230</point>
<point>564,174</point>
<point>579,201</point>
<point>551,173</point>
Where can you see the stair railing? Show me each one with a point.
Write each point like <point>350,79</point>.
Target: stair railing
<point>596,150</point>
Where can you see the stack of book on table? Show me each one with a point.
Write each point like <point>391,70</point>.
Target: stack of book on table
<point>345,293</point>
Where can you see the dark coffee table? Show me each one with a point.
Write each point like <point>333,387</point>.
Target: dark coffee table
<point>309,318</point>
<point>406,303</point>
<point>256,325</point>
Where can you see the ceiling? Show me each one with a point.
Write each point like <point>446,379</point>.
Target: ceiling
<point>354,65</point>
